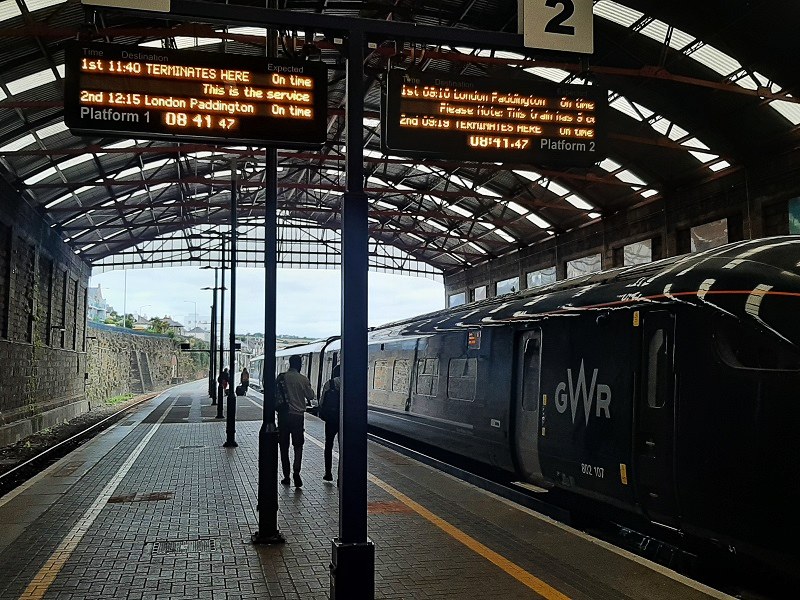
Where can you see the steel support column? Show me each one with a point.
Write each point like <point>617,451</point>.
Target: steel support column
<point>353,553</point>
<point>212,355</point>
<point>221,336</point>
<point>268,532</point>
<point>230,426</point>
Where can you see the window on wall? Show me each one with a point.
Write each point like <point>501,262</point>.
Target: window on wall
<point>382,375</point>
<point>457,299</point>
<point>428,376</point>
<point>637,253</point>
<point>583,266</point>
<point>541,277</point>
<point>794,216</point>
<point>709,235</point>
<point>479,293</point>
<point>462,374</point>
<point>401,376</point>
<point>508,286</point>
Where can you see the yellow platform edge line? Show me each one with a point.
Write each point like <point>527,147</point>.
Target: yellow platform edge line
<point>531,581</point>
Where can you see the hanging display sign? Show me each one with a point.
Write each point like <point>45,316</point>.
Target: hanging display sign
<point>498,120</point>
<point>150,93</point>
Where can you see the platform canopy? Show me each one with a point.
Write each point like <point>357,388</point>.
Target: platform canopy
<point>696,91</point>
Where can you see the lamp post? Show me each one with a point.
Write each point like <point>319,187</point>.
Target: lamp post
<point>213,342</point>
<point>140,311</point>
<point>195,310</point>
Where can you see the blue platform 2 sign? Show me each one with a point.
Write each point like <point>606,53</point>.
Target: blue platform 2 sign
<point>499,120</point>
<point>561,25</point>
<point>150,93</point>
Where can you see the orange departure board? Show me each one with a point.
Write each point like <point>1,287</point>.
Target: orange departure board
<point>488,119</point>
<point>150,93</point>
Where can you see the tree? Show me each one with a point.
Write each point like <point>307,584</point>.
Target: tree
<point>158,325</point>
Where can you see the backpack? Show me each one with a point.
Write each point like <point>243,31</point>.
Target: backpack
<point>329,409</point>
<point>281,393</point>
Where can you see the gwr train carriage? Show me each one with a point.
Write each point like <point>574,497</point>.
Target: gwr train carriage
<point>667,389</point>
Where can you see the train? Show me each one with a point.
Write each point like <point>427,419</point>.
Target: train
<point>667,390</point>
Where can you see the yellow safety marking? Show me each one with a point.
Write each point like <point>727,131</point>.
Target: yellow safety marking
<point>517,572</point>
<point>623,473</point>
<point>636,318</point>
<point>42,581</point>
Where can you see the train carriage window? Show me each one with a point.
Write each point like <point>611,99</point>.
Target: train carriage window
<point>657,376</point>
<point>462,376</point>
<point>531,374</point>
<point>743,347</point>
<point>382,376</point>
<point>401,377</point>
<point>428,376</point>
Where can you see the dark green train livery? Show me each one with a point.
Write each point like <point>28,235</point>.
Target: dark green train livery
<point>669,389</point>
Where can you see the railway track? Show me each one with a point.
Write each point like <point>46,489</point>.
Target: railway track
<point>20,473</point>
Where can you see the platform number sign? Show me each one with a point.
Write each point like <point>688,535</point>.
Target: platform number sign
<point>563,25</point>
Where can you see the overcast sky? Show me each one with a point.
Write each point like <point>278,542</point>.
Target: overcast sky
<point>308,299</point>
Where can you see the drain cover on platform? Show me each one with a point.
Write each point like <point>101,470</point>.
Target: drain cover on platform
<point>137,497</point>
<point>184,546</point>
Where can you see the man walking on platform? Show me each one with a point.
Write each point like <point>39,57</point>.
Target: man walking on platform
<point>295,389</point>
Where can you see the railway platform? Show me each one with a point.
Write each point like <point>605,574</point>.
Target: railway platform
<point>155,507</point>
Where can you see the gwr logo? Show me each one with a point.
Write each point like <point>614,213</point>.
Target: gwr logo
<point>576,393</point>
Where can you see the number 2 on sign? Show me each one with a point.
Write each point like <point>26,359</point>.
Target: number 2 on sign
<point>556,24</point>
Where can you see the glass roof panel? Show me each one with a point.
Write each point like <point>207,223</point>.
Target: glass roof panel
<point>517,208</point>
<point>648,193</point>
<point>557,75</point>
<point>617,13</point>
<point>506,236</point>
<point>538,221</point>
<point>716,60</point>
<point>789,110</point>
<point>27,83</point>
<point>719,166</point>
<point>609,165</point>
<point>182,42</point>
<point>557,188</point>
<point>75,161</point>
<point>34,5</point>
<point>58,201</point>
<point>461,211</point>
<point>578,202</point>
<point>703,157</point>
<point>530,175</point>
<point>622,104</point>
<point>9,10</point>
<point>629,177</point>
<point>51,130</point>
<point>19,144</point>
<point>36,178</point>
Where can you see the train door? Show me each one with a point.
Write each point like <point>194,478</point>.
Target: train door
<point>654,441</point>
<point>529,371</point>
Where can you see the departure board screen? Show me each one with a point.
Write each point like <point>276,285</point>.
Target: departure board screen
<point>498,120</point>
<point>150,93</point>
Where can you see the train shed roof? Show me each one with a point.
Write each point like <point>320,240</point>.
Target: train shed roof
<point>697,92</point>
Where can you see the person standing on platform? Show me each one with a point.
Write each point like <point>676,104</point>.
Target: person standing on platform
<point>329,407</point>
<point>244,379</point>
<point>293,389</point>
<point>223,379</point>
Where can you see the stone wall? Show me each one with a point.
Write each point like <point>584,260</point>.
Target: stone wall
<point>120,361</point>
<point>42,323</point>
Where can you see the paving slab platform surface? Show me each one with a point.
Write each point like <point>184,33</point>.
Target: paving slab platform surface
<point>155,508</point>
